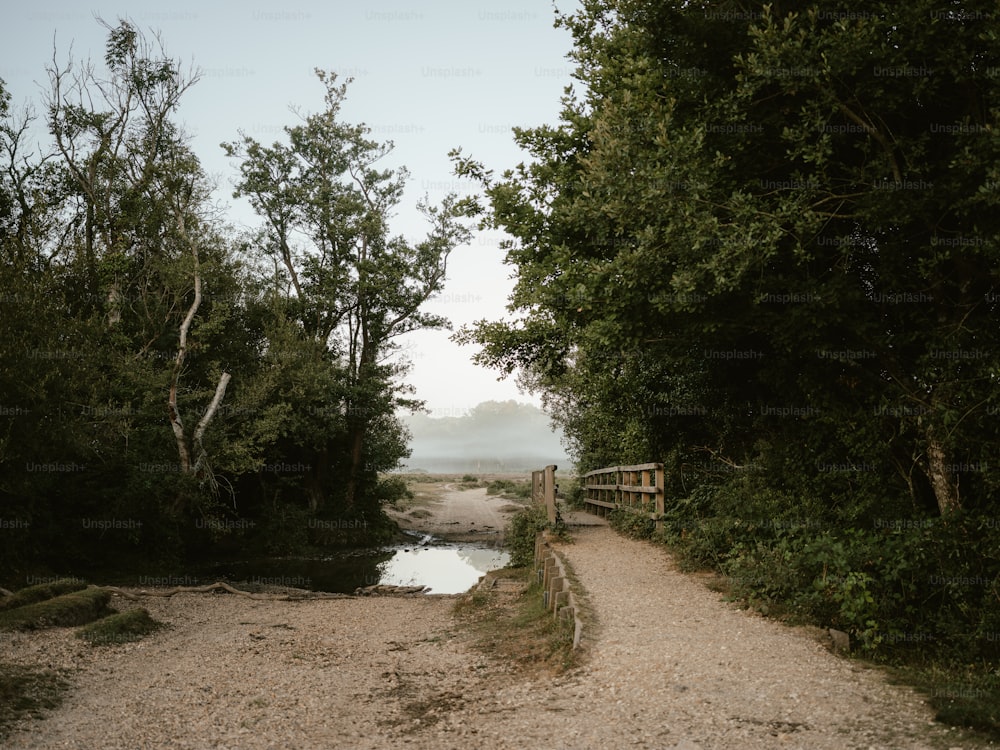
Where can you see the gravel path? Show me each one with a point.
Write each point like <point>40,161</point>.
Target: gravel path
<point>665,665</point>
<point>673,666</point>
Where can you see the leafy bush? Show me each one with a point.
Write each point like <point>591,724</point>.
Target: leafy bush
<point>392,488</point>
<point>521,532</point>
<point>631,524</point>
<point>510,488</point>
<point>919,586</point>
<point>574,493</point>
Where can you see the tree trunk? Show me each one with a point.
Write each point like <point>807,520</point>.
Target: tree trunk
<point>314,486</point>
<point>941,475</point>
<point>357,456</point>
<point>198,466</point>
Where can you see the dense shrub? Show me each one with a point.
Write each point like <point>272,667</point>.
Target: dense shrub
<point>632,525</point>
<point>509,487</point>
<point>521,532</point>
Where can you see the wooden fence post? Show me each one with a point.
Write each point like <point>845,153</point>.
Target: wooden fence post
<point>661,507</point>
<point>550,492</point>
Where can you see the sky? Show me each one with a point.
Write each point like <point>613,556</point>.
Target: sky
<point>428,76</point>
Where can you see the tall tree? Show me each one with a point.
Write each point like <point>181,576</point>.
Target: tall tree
<point>775,228</point>
<point>353,286</point>
<point>141,200</point>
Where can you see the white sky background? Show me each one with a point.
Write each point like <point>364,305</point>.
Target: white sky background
<point>429,76</point>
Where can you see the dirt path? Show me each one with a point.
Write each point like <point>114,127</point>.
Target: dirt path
<point>666,665</point>
<point>461,515</point>
<point>673,666</point>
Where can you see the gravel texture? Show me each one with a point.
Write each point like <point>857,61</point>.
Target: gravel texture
<point>665,664</point>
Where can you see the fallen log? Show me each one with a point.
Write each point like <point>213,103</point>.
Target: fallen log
<point>385,589</point>
<point>298,595</point>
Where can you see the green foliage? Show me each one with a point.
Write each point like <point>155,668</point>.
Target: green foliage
<point>761,245</point>
<point>521,532</point>
<point>631,524</point>
<point>899,588</point>
<point>118,445</point>
<point>124,627</point>
<point>572,490</point>
<point>725,260</point>
<point>509,488</point>
<point>392,488</point>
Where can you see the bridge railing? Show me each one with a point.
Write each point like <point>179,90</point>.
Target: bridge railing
<point>543,490</point>
<point>638,489</point>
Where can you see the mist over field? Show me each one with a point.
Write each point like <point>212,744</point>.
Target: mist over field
<point>495,436</point>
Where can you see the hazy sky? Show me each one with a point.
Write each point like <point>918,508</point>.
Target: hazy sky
<point>429,76</point>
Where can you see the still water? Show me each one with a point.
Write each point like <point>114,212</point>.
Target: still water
<point>447,568</point>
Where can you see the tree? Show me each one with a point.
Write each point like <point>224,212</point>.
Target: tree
<point>352,286</point>
<point>141,199</point>
<point>769,228</point>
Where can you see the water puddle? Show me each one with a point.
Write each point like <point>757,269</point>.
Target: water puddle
<point>447,568</point>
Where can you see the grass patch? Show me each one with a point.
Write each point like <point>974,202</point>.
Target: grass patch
<point>469,482</point>
<point>510,488</point>
<point>41,592</point>
<point>125,627</point>
<point>75,608</point>
<point>510,623</point>
<point>27,693</point>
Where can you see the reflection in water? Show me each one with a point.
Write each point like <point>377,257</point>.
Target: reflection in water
<point>446,570</point>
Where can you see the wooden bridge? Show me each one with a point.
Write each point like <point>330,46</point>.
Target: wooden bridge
<point>638,489</point>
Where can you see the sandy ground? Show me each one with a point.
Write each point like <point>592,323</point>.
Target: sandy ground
<point>665,664</point>
<point>460,515</point>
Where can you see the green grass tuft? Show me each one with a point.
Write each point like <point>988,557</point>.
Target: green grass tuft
<point>41,592</point>
<point>76,608</point>
<point>125,627</point>
<point>509,488</point>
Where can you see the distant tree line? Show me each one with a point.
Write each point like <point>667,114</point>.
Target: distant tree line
<point>170,385</point>
<point>762,245</point>
<point>494,436</point>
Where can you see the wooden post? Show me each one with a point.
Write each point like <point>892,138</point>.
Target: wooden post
<point>661,507</point>
<point>550,492</point>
